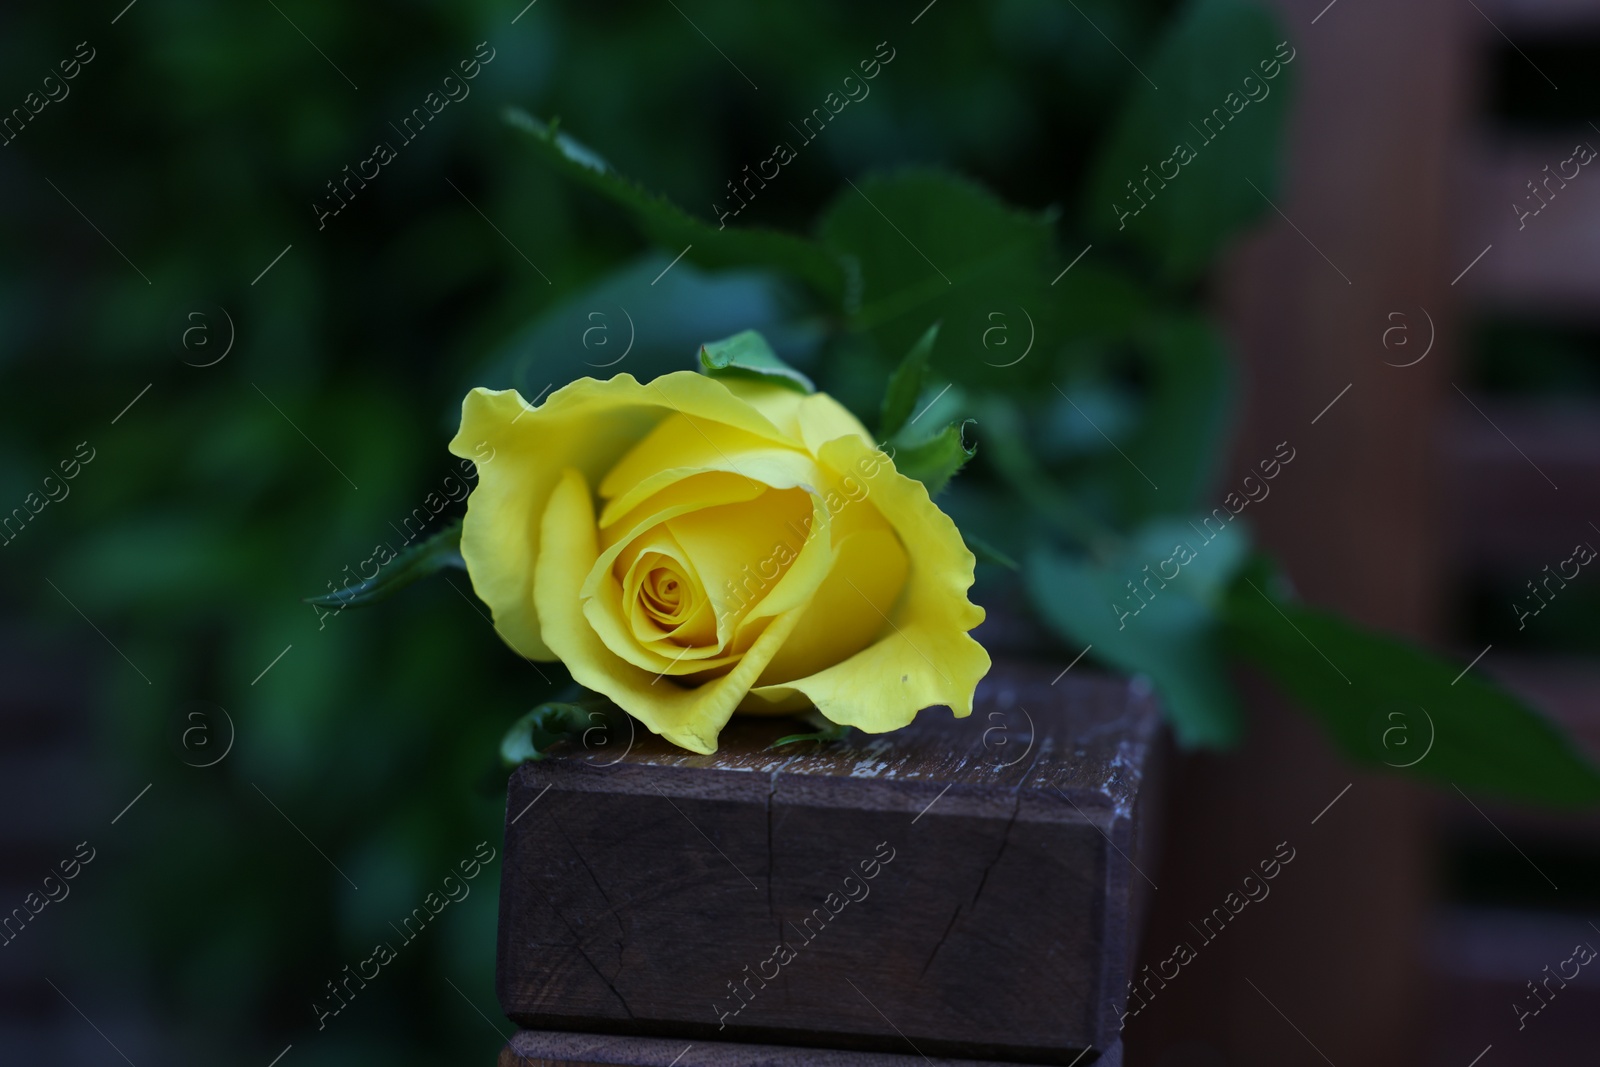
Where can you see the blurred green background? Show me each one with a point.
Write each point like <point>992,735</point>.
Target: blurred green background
<point>197,140</point>
<point>292,389</point>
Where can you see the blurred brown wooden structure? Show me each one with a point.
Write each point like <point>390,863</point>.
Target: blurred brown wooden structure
<point>1392,186</point>
<point>1522,480</point>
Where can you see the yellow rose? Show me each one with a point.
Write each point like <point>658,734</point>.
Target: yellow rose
<point>752,551</point>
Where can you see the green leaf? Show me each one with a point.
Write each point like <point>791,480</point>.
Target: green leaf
<point>1180,213</point>
<point>622,323</point>
<point>1099,302</point>
<point>1168,630</point>
<point>1007,447</point>
<point>439,552</point>
<point>905,385</point>
<point>937,459</point>
<point>747,355</point>
<point>1391,704</point>
<point>988,553</point>
<point>671,226</point>
<point>1179,441</point>
<point>1188,410</point>
<point>934,246</point>
<point>827,733</point>
<point>530,737</point>
<point>591,719</point>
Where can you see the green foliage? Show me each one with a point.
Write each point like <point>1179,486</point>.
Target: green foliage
<point>670,225</point>
<point>440,551</point>
<point>747,355</point>
<point>929,247</point>
<point>826,733</point>
<point>1147,611</point>
<point>1200,67</point>
<point>936,459</point>
<point>1389,703</point>
<point>905,385</point>
<point>639,320</point>
<point>1005,433</point>
<point>985,552</point>
<point>532,735</point>
<point>937,450</point>
<point>492,256</point>
<point>1170,462</point>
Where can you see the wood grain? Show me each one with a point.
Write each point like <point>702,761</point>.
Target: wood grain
<point>646,889</point>
<point>536,1048</point>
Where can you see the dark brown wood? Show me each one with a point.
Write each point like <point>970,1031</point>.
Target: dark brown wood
<point>1377,111</point>
<point>645,892</point>
<point>1548,262</point>
<point>537,1048</point>
<point>1504,513</point>
<point>1510,521</point>
<point>1543,17</point>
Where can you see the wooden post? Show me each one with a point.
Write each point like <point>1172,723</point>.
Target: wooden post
<point>957,888</point>
<point>1334,953</point>
<point>543,1048</point>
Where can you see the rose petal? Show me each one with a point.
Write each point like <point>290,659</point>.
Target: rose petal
<point>823,419</point>
<point>723,546</point>
<point>521,451</point>
<point>702,489</point>
<point>729,544</point>
<point>605,606</point>
<point>814,418</point>
<point>683,444</point>
<point>850,610</point>
<point>690,718</point>
<point>768,468</point>
<point>692,623</point>
<point>926,658</point>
